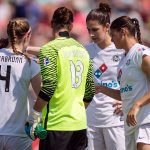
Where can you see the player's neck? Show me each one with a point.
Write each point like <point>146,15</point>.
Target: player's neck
<point>62,33</point>
<point>19,48</point>
<point>105,43</point>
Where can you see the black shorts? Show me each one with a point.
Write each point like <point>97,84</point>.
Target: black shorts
<point>64,140</point>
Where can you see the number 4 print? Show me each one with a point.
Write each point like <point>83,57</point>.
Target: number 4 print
<point>6,78</point>
<point>76,72</point>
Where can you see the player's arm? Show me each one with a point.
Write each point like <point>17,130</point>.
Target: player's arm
<point>107,91</point>
<point>131,117</point>
<point>89,88</point>
<point>48,64</point>
<point>36,83</point>
<point>33,50</point>
<point>146,69</point>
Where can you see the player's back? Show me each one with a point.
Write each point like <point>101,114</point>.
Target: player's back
<point>15,75</point>
<point>67,110</point>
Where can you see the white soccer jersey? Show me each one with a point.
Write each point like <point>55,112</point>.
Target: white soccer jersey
<point>15,76</point>
<point>100,112</point>
<point>134,84</point>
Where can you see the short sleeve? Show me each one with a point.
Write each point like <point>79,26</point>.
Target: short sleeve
<point>35,68</point>
<point>140,53</point>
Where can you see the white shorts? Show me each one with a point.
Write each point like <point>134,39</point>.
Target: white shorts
<point>15,143</point>
<point>141,135</point>
<point>111,138</point>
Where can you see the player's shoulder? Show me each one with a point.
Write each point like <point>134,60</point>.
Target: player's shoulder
<point>140,50</point>
<point>112,49</point>
<point>47,45</point>
<point>90,46</point>
<point>141,46</point>
<point>6,51</point>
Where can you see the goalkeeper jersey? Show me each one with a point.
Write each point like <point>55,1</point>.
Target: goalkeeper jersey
<point>67,79</point>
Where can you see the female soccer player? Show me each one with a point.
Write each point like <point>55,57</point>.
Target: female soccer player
<point>17,71</point>
<point>134,77</point>
<point>67,81</point>
<point>105,128</point>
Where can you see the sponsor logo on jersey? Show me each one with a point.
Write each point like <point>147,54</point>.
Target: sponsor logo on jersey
<point>100,71</point>
<point>127,88</point>
<point>111,84</point>
<point>115,58</point>
<point>97,73</point>
<point>46,61</point>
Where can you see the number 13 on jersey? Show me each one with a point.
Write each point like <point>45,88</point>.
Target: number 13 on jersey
<point>76,73</point>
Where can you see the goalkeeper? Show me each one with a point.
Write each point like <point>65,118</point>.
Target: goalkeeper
<point>67,83</point>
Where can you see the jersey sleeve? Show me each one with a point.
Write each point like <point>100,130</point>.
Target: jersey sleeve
<point>140,53</point>
<point>48,64</point>
<point>90,88</point>
<point>35,68</point>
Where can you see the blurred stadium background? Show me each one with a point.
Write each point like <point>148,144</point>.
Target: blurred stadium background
<point>39,13</point>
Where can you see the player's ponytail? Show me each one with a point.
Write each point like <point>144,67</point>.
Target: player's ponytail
<point>13,36</point>
<point>137,27</point>
<point>18,29</point>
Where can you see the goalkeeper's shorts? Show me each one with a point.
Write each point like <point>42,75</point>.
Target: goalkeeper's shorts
<point>64,140</point>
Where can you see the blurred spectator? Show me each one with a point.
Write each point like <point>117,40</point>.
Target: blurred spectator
<point>19,6</point>
<point>39,13</point>
<point>33,12</point>
<point>128,7</point>
<point>5,15</point>
<point>41,34</point>
<point>144,8</point>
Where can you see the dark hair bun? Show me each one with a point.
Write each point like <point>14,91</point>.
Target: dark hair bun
<point>62,15</point>
<point>105,7</point>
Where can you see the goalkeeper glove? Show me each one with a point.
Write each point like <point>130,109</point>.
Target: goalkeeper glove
<point>33,121</point>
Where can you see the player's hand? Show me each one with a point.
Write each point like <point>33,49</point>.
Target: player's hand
<point>30,130</point>
<point>33,120</point>
<point>98,88</point>
<point>118,107</point>
<point>131,117</point>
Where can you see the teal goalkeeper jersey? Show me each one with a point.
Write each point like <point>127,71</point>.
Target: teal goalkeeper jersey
<point>67,79</point>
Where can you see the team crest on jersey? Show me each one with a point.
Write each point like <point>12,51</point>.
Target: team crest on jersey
<point>141,49</point>
<point>115,58</point>
<point>128,62</point>
<point>100,70</point>
<point>46,61</point>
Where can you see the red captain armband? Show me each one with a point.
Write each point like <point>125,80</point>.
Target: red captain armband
<point>44,96</point>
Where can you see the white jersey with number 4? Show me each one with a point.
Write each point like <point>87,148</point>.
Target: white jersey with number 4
<point>100,112</point>
<point>134,84</point>
<point>15,75</point>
